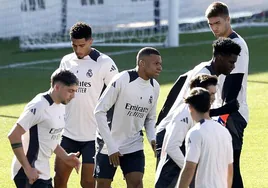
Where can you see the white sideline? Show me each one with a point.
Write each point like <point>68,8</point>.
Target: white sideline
<point>22,64</point>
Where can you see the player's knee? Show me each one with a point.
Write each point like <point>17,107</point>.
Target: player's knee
<point>60,179</point>
<point>135,182</point>
<point>88,183</point>
<point>101,183</point>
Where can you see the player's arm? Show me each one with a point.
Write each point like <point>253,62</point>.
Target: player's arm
<point>175,138</point>
<point>187,174</point>
<point>228,108</point>
<point>193,151</point>
<point>16,143</point>
<point>230,175</point>
<point>105,103</point>
<point>31,116</point>
<point>70,159</point>
<point>109,69</point>
<point>172,96</point>
<point>149,123</point>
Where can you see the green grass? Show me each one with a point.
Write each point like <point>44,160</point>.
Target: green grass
<point>19,85</point>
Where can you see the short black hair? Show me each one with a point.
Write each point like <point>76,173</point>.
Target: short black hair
<point>146,51</point>
<point>64,76</point>
<point>81,30</point>
<point>203,80</point>
<point>199,99</point>
<point>226,47</point>
<point>217,9</point>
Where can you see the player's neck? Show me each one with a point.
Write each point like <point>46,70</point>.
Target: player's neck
<point>201,116</point>
<point>142,74</point>
<point>53,95</point>
<point>89,50</point>
<point>228,32</point>
<point>214,67</point>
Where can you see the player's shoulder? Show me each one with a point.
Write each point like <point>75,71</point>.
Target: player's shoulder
<point>238,39</point>
<point>40,102</point>
<point>182,113</point>
<point>68,57</point>
<point>203,68</point>
<point>100,57</point>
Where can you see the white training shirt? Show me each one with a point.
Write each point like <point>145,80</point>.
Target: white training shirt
<point>241,66</point>
<point>209,145</point>
<point>93,71</point>
<point>43,122</point>
<point>202,68</point>
<point>134,101</point>
<point>176,131</point>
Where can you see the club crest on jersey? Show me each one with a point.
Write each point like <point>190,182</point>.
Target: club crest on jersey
<point>151,99</point>
<point>89,73</point>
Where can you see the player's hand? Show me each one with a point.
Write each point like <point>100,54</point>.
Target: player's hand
<point>153,144</point>
<point>114,159</point>
<point>32,174</point>
<point>73,161</point>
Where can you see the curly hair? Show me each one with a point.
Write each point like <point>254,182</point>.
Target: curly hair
<point>80,30</point>
<point>225,46</point>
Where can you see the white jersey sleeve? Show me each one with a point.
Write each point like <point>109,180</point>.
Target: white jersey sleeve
<point>241,65</point>
<point>176,132</point>
<point>109,68</point>
<point>106,101</point>
<point>151,117</point>
<point>31,115</point>
<point>193,146</point>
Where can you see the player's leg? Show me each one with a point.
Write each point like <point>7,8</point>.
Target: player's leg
<point>103,171</point>
<point>237,178</point>
<point>159,142</point>
<point>62,170</point>
<point>236,125</point>
<point>132,166</point>
<point>169,174</point>
<point>88,153</point>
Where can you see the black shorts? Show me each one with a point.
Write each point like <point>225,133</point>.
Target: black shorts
<point>131,162</point>
<point>24,183</point>
<point>86,149</point>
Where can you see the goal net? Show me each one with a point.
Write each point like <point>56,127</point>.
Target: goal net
<point>46,23</point>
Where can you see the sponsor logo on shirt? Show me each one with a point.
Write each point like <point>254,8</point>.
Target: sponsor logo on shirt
<point>83,86</point>
<point>136,110</point>
<point>55,133</point>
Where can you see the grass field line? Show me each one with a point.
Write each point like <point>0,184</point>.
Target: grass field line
<point>22,64</point>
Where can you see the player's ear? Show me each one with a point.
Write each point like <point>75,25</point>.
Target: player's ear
<point>90,41</point>
<point>228,19</point>
<point>57,86</point>
<point>141,63</point>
